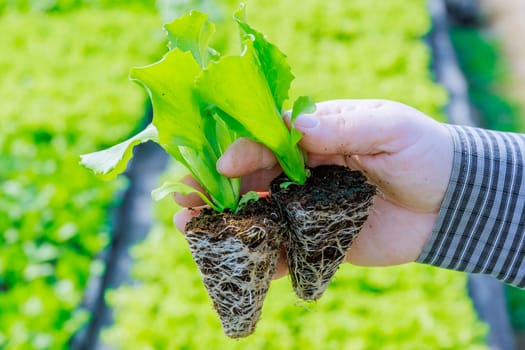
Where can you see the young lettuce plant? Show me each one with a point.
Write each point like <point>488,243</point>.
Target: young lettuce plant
<point>248,92</point>
<point>202,102</point>
<point>323,220</point>
<point>183,124</point>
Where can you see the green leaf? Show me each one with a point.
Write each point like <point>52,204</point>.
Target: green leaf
<point>238,87</point>
<point>176,109</point>
<point>168,188</point>
<point>272,60</point>
<point>286,184</point>
<point>192,32</point>
<point>201,103</point>
<point>110,162</point>
<point>184,132</point>
<point>302,105</point>
<point>247,197</point>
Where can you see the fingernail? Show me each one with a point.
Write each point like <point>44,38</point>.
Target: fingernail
<point>221,163</point>
<point>306,122</point>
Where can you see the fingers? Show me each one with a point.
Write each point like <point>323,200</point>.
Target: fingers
<point>244,157</point>
<point>190,200</point>
<point>338,127</point>
<point>260,180</point>
<point>315,160</point>
<point>362,127</point>
<point>181,218</point>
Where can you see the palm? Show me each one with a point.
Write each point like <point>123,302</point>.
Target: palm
<point>392,233</point>
<point>407,155</point>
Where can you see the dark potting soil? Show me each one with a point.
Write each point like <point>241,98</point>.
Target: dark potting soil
<point>325,216</point>
<point>326,187</point>
<point>228,224</point>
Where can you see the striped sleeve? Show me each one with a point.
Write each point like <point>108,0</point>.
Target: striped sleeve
<point>481,224</point>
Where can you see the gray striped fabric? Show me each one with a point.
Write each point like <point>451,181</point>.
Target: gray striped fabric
<point>481,224</point>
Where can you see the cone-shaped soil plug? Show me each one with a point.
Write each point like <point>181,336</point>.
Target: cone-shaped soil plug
<point>324,216</point>
<point>237,256</point>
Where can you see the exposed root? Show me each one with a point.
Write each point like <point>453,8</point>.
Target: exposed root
<point>318,244</point>
<point>237,253</point>
<point>324,219</point>
<point>237,264</point>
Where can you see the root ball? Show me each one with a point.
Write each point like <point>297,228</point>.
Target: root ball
<point>324,217</point>
<point>237,255</point>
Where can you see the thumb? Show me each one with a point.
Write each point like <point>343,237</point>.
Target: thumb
<point>357,127</point>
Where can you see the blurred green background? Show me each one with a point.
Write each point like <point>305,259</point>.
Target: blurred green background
<point>64,91</point>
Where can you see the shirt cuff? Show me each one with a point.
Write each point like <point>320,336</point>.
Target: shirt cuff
<point>480,226</point>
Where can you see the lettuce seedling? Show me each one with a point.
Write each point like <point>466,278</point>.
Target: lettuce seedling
<point>202,102</point>
<point>250,89</point>
<point>182,124</point>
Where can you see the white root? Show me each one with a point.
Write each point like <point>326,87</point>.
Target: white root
<point>318,243</point>
<point>236,275</point>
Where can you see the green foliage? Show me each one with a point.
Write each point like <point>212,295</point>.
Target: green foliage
<point>178,187</point>
<point>250,89</point>
<point>202,102</point>
<point>55,6</point>
<point>113,161</point>
<point>248,197</point>
<point>183,123</point>
<point>480,59</point>
<point>338,49</point>
<point>354,49</point>
<point>64,84</point>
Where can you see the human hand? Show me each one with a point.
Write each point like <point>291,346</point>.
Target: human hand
<point>406,154</point>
